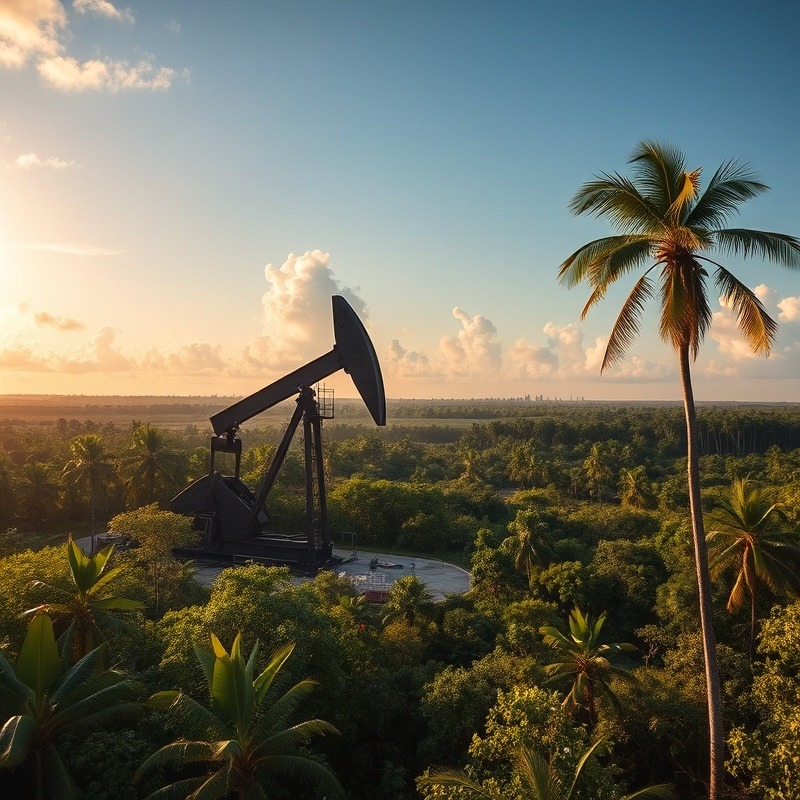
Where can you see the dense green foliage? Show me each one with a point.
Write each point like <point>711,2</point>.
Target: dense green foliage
<point>457,685</point>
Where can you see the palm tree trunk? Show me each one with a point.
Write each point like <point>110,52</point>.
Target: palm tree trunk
<point>91,502</point>
<point>750,581</point>
<point>713,687</point>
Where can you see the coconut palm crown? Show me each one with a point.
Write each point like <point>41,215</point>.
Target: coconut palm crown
<point>666,223</point>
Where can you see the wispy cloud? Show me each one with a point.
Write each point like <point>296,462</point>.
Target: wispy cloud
<point>71,75</point>
<point>45,319</point>
<point>103,8</point>
<point>173,27</point>
<point>34,161</point>
<point>74,249</point>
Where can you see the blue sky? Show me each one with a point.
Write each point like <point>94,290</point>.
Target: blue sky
<point>417,157</point>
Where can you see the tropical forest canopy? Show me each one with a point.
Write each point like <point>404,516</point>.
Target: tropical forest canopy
<point>581,625</point>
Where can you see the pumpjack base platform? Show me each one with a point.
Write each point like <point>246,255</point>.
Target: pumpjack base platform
<point>272,550</point>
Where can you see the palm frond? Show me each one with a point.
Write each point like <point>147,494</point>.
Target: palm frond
<point>290,738</point>
<point>175,755</point>
<point>179,790</point>
<point>306,770</point>
<point>738,594</point>
<point>731,185</point>
<point>626,327</point>
<point>190,715</point>
<point>754,322</point>
<point>660,791</point>
<point>115,699</point>
<point>582,763</point>
<point>58,780</point>
<point>279,711</point>
<point>685,312</point>
<point>584,262</point>
<point>457,780</point>
<point>616,197</point>
<point>215,787</point>
<point>780,248</point>
<point>658,169</point>
<point>686,191</point>
<point>537,775</point>
<point>264,680</point>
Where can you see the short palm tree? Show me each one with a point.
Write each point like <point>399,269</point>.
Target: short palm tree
<point>150,464</point>
<point>667,226</point>
<point>85,613</point>
<point>533,543</point>
<point>90,470</point>
<point>245,737</point>
<point>750,537</point>
<point>40,702</point>
<point>634,488</point>
<point>583,659</point>
<point>539,780</point>
<point>407,599</point>
<point>597,470</point>
<point>38,492</point>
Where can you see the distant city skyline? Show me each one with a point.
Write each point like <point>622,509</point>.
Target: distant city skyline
<point>186,185</point>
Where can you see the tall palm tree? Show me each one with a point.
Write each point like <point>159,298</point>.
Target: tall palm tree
<point>666,226</point>
<point>90,470</point>
<point>245,734</point>
<point>750,536</point>
<point>585,660</point>
<point>539,780</point>
<point>40,702</point>
<point>150,464</point>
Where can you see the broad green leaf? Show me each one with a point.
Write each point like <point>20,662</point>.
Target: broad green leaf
<point>39,664</point>
<point>217,647</point>
<point>207,661</point>
<point>16,738</point>
<point>264,680</point>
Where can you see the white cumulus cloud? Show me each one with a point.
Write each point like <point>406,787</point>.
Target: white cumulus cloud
<point>297,321</point>
<point>407,363</point>
<point>29,28</point>
<point>789,309</point>
<point>474,351</point>
<point>38,31</point>
<point>96,355</point>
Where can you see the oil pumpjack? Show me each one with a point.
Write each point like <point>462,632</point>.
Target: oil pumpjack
<point>229,516</point>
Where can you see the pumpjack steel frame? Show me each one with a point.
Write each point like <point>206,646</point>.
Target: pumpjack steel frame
<point>230,517</point>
